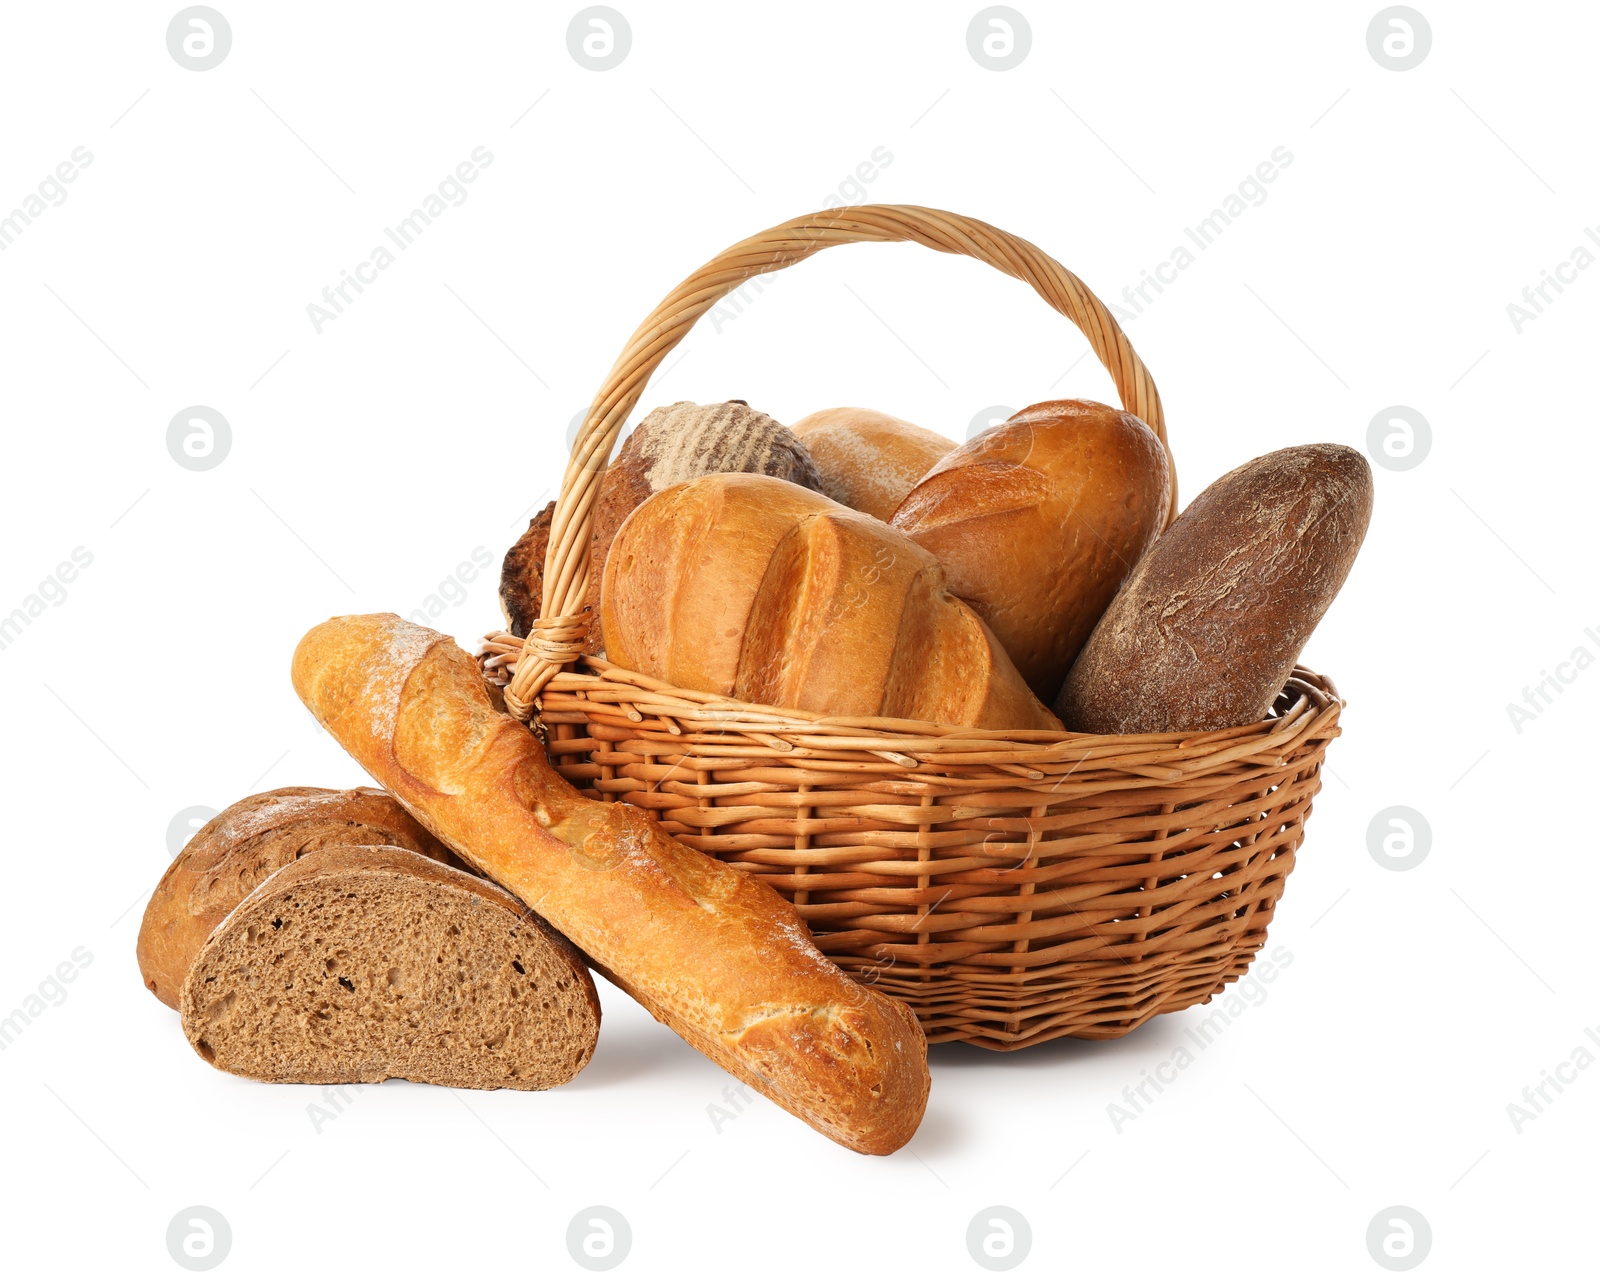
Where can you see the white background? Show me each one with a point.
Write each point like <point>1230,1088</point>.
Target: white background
<point>371,459</point>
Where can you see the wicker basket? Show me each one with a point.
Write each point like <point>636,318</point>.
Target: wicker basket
<point>1011,887</point>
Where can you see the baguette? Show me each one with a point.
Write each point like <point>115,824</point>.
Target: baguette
<point>709,951</point>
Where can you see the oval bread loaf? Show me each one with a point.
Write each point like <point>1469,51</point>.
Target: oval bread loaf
<point>679,442</point>
<point>868,460</point>
<point>1038,520</point>
<point>766,592</point>
<point>357,964</point>
<point>1206,630</point>
<point>242,845</point>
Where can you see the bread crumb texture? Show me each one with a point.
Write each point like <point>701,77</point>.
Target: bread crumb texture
<point>361,975</point>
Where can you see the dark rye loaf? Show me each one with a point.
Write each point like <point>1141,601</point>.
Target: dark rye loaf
<point>242,845</point>
<point>356,965</point>
<point>1206,630</point>
<point>681,441</point>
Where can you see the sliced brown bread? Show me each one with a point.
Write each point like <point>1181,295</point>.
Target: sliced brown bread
<point>355,965</point>
<point>240,847</point>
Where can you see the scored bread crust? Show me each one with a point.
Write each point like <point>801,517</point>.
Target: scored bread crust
<point>1038,520</point>
<point>752,588</point>
<point>673,443</point>
<point>708,950</point>
<point>244,844</point>
<point>365,1017</point>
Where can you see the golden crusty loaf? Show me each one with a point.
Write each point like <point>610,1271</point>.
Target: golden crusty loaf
<point>716,955</point>
<point>868,460</point>
<point>1038,520</point>
<point>1206,630</point>
<point>766,592</point>
<point>356,965</point>
<point>678,442</point>
<point>240,847</point>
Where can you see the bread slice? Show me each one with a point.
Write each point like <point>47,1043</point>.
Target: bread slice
<point>240,847</point>
<point>355,965</point>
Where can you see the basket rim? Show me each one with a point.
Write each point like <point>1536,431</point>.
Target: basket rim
<point>655,705</point>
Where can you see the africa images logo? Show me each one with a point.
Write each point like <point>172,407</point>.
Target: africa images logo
<point>451,192</point>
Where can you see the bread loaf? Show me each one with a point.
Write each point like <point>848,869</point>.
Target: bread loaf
<point>242,845</point>
<point>679,442</point>
<point>1038,520</point>
<point>716,955</point>
<point>355,965</point>
<point>761,590</point>
<point>522,578</point>
<point>868,460</point>
<point>1206,630</point>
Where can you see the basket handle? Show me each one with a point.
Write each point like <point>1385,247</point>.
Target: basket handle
<point>556,639</point>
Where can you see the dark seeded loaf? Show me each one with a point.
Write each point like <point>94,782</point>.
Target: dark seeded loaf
<point>356,965</point>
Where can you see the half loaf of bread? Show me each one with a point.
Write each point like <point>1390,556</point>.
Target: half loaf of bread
<point>242,845</point>
<point>356,965</point>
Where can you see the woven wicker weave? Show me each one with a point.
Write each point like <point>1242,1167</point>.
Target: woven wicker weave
<point>1011,887</point>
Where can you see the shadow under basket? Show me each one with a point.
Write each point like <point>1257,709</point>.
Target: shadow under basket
<point>1012,888</point>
